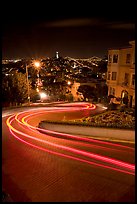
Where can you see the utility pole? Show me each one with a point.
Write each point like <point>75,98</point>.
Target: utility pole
<point>28,84</point>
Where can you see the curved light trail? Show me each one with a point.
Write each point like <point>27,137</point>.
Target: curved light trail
<point>19,125</point>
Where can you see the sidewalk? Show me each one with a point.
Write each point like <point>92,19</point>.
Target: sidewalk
<point>98,133</point>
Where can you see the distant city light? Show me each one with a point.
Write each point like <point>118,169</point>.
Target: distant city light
<point>69,82</point>
<point>37,89</point>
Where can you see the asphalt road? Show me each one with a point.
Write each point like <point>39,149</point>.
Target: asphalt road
<point>39,167</point>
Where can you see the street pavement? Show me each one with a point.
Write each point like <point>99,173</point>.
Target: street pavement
<point>31,175</point>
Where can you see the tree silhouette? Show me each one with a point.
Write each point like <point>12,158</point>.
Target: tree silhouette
<point>14,88</point>
<point>88,91</point>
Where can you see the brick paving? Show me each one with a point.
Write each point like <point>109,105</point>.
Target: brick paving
<point>30,175</point>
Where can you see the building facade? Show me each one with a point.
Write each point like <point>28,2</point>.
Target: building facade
<point>121,73</point>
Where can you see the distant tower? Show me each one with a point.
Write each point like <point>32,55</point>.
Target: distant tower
<point>74,65</point>
<point>57,55</point>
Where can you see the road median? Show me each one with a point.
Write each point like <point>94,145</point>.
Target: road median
<point>93,132</point>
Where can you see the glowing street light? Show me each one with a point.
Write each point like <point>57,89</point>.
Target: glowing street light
<point>43,95</point>
<point>37,65</point>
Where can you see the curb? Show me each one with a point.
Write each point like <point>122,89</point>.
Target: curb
<point>99,133</point>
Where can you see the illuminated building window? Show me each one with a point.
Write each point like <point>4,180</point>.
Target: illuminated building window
<point>128,57</point>
<point>112,91</point>
<point>108,75</point>
<point>114,75</point>
<point>115,58</point>
<point>109,58</point>
<point>126,80</point>
<point>133,79</point>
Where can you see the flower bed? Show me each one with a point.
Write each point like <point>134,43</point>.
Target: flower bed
<point>115,119</point>
<point>109,119</point>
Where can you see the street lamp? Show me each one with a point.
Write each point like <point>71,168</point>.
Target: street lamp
<point>43,96</point>
<point>37,65</point>
<point>28,84</point>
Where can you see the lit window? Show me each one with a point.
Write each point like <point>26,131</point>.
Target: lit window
<point>109,58</point>
<point>115,58</point>
<point>108,75</point>
<point>110,91</point>
<point>114,75</point>
<point>113,91</point>
<point>128,57</point>
<point>126,78</point>
<point>133,79</point>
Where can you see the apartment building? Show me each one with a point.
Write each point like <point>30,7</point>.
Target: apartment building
<point>121,73</point>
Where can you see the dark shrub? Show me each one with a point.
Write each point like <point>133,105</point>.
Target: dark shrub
<point>112,106</point>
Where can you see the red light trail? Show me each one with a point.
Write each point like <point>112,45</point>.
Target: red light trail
<point>22,119</point>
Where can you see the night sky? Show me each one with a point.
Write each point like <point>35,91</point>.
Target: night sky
<point>76,31</point>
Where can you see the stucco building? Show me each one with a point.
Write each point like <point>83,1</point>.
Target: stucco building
<point>121,73</point>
